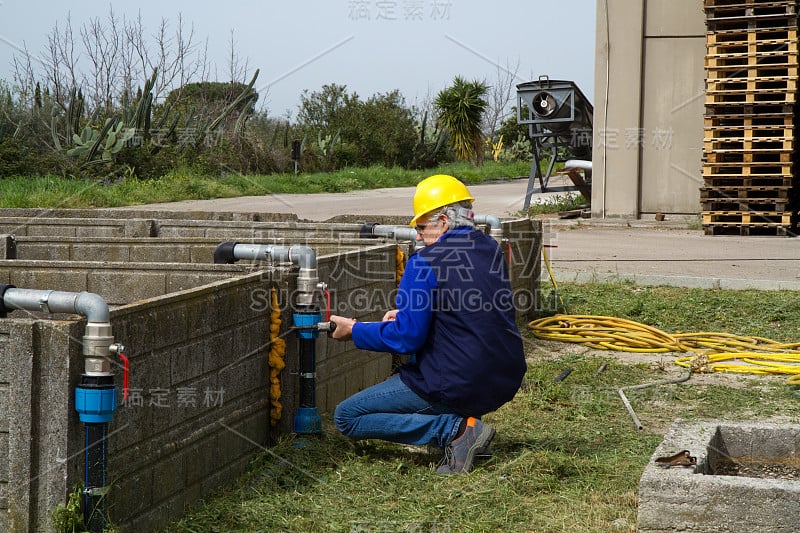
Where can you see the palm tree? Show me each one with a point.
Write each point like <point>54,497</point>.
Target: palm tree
<point>460,110</point>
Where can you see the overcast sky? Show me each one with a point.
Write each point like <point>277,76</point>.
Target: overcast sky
<point>372,46</point>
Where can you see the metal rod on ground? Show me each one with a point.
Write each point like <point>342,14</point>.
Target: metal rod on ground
<point>627,403</point>
<point>563,375</point>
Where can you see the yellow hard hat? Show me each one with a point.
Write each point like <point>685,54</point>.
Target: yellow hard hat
<point>435,192</point>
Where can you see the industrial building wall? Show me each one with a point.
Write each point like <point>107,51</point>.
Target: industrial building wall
<point>648,111</point>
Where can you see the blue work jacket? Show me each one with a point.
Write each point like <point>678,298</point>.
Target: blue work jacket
<point>456,317</point>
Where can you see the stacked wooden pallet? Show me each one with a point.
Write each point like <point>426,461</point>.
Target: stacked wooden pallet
<point>751,92</point>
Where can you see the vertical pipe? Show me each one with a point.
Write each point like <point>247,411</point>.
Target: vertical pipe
<point>95,401</point>
<point>94,499</point>
<point>307,419</point>
<point>307,374</point>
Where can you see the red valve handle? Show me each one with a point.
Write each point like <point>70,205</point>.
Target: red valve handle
<point>327,305</point>
<point>126,370</point>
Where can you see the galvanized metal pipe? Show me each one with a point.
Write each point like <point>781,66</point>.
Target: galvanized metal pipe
<point>637,423</point>
<point>88,304</point>
<point>399,233</point>
<point>578,163</point>
<point>303,256</point>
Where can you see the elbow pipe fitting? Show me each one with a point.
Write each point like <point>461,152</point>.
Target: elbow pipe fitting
<point>303,256</point>
<point>3,309</point>
<point>98,341</point>
<point>223,253</point>
<point>495,226</point>
<point>88,304</point>
<point>492,221</point>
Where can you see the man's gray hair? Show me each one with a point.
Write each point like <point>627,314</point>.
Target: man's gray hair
<point>459,214</point>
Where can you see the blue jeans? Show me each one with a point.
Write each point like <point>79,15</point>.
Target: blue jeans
<point>391,411</point>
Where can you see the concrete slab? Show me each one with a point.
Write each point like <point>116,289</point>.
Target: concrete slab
<point>706,497</point>
<point>672,255</point>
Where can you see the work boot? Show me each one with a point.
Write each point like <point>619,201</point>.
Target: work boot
<point>459,454</point>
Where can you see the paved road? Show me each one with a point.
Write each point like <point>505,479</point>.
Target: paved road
<point>503,198</point>
<point>673,255</point>
<point>648,251</point>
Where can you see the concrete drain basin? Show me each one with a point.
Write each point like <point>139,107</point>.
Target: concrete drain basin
<point>746,478</point>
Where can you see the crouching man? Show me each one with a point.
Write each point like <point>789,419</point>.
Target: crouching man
<point>455,318</point>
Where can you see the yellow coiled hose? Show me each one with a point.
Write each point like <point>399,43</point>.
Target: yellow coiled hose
<point>277,351</point>
<point>710,352</point>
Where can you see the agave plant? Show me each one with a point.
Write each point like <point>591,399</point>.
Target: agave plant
<point>106,141</point>
<point>460,110</point>
<point>100,145</point>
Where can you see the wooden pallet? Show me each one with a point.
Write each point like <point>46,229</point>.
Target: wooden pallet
<point>745,115</point>
<point>747,218</point>
<point>775,10</point>
<point>757,47</point>
<point>753,145</point>
<point>756,169</point>
<point>750,36</point>
<point>744,193</point>
<point>776,64</point>
<point>733,3</point>
<point>753,205</point>
<point>755,84</point>
<point>770,230</point>
<point>758,96</point>
<point>756,65</point>
<point>722,132</point>
<point>718,181</point>
<point>751,23</point>
<point>738,157</point>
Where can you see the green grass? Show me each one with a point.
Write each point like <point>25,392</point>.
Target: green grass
<point>117,191</point>
<point>556,203</point>
<point>566,455</point>
<point>772,314</point>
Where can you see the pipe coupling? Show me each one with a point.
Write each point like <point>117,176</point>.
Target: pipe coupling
<point>97,343</point>
<point>307,280</point>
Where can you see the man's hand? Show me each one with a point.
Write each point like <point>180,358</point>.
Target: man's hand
<point>344,328</point>
<point>390,315</point>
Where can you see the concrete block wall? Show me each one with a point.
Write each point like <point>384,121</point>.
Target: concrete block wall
<point>118,283</point>
<point>198,404</point>
<point>147,249</point>
<point>78,227</point>
<point>524,243</point>
<point>118,228</point>
<point>38,436</point>
<point>30,213</point>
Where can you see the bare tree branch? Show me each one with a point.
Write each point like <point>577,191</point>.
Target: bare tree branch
<point>501,93</point>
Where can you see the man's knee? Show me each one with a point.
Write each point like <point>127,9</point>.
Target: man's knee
<point>343,419</point>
